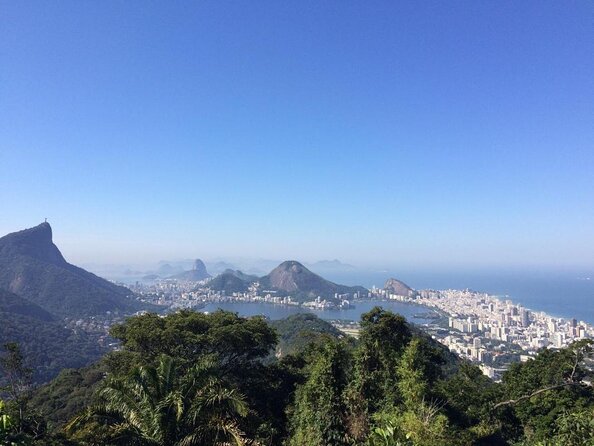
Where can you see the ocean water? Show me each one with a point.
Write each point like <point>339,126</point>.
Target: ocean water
<point>562,294</point>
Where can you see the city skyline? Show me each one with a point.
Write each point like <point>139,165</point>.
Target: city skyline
<point>396,134</point>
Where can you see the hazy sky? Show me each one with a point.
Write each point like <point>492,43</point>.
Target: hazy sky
<point>433,133</point>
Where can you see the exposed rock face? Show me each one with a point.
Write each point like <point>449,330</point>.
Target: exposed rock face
<point>33,242</point>
<point>399,288</point>
<point>289,276</point>
<point>200,267</point>
<point>33,267</point>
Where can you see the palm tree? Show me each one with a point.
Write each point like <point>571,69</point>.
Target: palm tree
<point>158,406</point>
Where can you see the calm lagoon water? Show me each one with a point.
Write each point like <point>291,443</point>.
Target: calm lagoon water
<point>274,312</point>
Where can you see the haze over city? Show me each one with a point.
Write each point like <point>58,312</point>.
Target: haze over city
<point>431,134</point>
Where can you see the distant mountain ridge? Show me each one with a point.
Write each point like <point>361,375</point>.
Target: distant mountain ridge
<point>32,266</point>
<point>290,277</point>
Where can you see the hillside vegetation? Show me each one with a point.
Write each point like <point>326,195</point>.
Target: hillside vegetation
<point>47,345</point>
<point>197,379</point>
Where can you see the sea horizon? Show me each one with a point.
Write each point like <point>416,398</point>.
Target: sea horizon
<point>561,294</point>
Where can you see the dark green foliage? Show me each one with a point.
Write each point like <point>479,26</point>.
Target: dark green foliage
<point>47,345</point>
<point>164,406</point>
<point>575,428</point>
<point>298,331</point>
<point>320,413</point>
<point>238,344</point>
<point>550,369</point>
<point>18,382</point>
<point>468,398</point>
<point>19,423</point>
<point>448,361</point>
<point>190,335</point>
<point>269,389</point>
<point>15,306</point>
<point>68,394</point>
<point>418,369</point>
<point>383,338</point>
<point>394,386</point>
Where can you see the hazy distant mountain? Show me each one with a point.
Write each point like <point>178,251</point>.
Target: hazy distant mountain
<point>294,278</point>
<point>167,270</point>
<point>232,282</point>
<point>220,267</point>
<point>32,267</point>
<point>197,273</point>
<point>397,287</point>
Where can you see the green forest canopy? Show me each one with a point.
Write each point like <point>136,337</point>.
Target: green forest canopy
<point>191,378</point>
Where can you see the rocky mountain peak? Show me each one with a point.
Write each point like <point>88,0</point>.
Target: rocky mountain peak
<point>35,242</point>
<point>398,287</point>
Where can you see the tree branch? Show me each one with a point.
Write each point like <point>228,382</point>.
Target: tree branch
<point>535,393</point>
<point>570,382</point>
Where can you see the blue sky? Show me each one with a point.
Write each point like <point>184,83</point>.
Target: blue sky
<point>400,133</point>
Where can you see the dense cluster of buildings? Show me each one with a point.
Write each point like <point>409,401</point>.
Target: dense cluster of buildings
<point>494,332</point>
<point>176,294</point>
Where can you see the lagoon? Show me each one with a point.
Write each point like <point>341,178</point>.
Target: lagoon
<point>275,311</point>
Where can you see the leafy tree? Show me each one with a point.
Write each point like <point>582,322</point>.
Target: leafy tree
<point>69,393</point>
<point>241,346</point>
<point>6,424</point>
<point>418,421</point>
<point>417,370</point>
<point>422,425</point>
<point>188,335</point>
<point>319,417</point>
<point>386,435</point>
<point>189,378</point>
<point>374,385</point>
<point>575,428</point>
<point>159,406</point>
<point>468,398</point>
<point>19,380</point>
<point>542,390</point>
<point>296,332</point>
<point>382,340</point>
